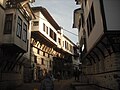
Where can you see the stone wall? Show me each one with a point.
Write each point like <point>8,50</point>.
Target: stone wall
<point>105,73</point>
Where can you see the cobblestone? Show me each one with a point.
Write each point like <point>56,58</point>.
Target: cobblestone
<point>59,85</point>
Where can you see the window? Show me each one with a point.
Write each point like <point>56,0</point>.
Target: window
<point>71,48</point>
<point>85,2</point>
<point>35,23</point>
<point>65,44</point>
<point>8,24</point>
<point>45,28</point>
<point>19,27</point>
<point>42,61</point>
<point>59,40</point>
<point>52,34</point>
<point>24,34</point>
<point>92,15</point>
<point>35,59</point>
<point>48,55</point>
<point>82,19</point>
<point>43,53</point>
<point>90,20</point>
<point>38,51</point>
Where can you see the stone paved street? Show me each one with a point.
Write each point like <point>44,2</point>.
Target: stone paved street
<point>29,86</point>
<point>58,85</point>
<point>63,85</point>
<point>86,88</point>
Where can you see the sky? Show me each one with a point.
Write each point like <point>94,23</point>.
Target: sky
<point>62,13</point>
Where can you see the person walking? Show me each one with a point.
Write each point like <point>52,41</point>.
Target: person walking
<point>58,76</point>
<point>47,83</point>
<point>76,74</point>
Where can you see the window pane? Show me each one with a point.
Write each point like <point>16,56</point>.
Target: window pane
<point>42,61</point>
<point>54,36</point>
<point>51,32</point>
<point>35,59</point>
<point>19,27</point>
<point>43,27</point>
<point>8,24</point>
<point>24,34</point>
<point>46,29</point>
<point>35,23</point>
<point>92,16</point>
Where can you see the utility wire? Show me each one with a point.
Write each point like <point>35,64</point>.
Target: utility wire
<point>70,32</point>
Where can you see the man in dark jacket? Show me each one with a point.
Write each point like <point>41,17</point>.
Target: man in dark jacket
<point>47,83</point>
<point>76,74</point>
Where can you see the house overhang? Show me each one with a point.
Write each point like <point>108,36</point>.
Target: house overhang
<point>62,51</point>
<point>108,44</point>
<point>47,16</point>
<point>76,17</point>
<point>42,39</point>
<point>23,6</point>
<point>29,11</point>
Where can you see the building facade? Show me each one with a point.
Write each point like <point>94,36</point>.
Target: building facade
<point>98,27</point>
<point>50,48</point>
<point>28,48</point>
<point>14,25</point>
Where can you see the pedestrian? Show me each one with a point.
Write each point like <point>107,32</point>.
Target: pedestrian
<point>47,83</point>
<point>76,74</point>
<point>58,76</point>
<point>51,75</point>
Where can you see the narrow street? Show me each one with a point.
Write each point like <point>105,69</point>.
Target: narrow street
<point>29,86</point>
<point>58,85</point>
<point>63,85</point>
<point>60,38</point>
